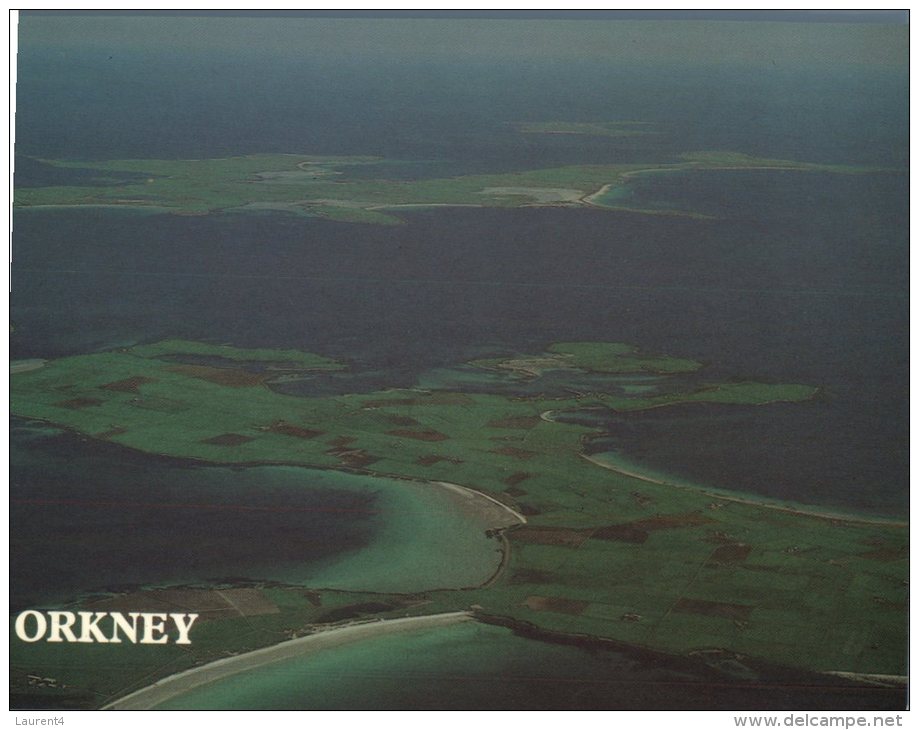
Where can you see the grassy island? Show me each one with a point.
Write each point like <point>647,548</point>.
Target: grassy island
<point>332,187</point>
<point>605,553</point>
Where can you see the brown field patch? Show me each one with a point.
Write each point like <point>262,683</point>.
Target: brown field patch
<point>528,510</point>
<point>230,377</point>
<point>422,399</point>
<point>730,553</point>
<point>128,385</point>
<point>514,479</point>
<point>227,439</point>
<point>556,605</point>
<point>532,575</point>
<point>622,533</point>
<point>76,404</point>
<point>638,531</point>
<point>733,611</point>
<point>516,453</point>
<point>515,492</point>
<point>886,554</point>
<point>431,459</point>
<point>171,599</point>
<point>559,536</point>
<point>248,601</point>
<point>418,435</point>
<point>314,597</point>
<point>289,429</point>
<point>402,420</point>
<point>340,442</point>
<point>525,422</point>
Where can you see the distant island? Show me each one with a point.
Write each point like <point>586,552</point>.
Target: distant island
<point>332,187</point>
<point>588,129</point>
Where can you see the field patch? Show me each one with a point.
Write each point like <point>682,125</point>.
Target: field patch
<point>717,609</point>
<point>228,439</point>
<point>886,554</point>
<point>532,575</point>
<point>128,385</point>
<point>230,377</point>
<point>639,530</point>
<point>418,435</point>
<point>514,452</point>
<point>402,421</point>
<point>289,429</point>
<point>209,604</point>
<point>730,553</point>
<point>514,479</point>
<point>556,605</point>
<point>248,601</point>
<point>431,459</point>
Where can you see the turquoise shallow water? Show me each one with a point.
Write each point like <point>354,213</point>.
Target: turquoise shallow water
<point>472,666</point>
<point>462,666</point>
<point>422,542</point>
<point>179,524</point>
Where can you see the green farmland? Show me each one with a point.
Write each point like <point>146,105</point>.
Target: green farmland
<point>604,552</point>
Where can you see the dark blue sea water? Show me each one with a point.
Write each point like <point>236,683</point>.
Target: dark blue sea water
<point>801,281</point>
<point>96,517</point>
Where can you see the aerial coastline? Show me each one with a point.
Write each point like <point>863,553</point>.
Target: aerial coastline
<point>317,186</point>
<point>165,689</point>
<point>531,499</point>
<point>803,510</point>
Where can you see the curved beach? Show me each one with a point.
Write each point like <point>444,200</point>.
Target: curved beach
<point>177,684</point>
<point>438,536</point>
<point>724,496</point>
<point>474,505</point>
<point>495,513</point>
